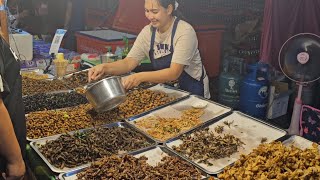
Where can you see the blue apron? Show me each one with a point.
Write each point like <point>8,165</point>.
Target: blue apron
<point>186,82</point>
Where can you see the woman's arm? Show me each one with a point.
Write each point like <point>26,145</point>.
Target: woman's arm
<point>122,66</point>
<point>161,76</point>
<point>115,68</point>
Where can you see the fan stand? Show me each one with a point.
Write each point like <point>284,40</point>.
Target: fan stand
<point>295,118</point>
<point>303,47</point>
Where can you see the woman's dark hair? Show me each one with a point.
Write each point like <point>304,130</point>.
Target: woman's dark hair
<point>166,3</point>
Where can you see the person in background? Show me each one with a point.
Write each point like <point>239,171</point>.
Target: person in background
<point>74,21</point>
<point>49,16</point>
<point>12,116</point>
<point>22,13</point>
<point>172,46</point>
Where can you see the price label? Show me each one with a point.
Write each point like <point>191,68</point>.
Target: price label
<point>56,42</point>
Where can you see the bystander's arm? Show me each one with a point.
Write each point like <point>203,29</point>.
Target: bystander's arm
<point>9,147</point>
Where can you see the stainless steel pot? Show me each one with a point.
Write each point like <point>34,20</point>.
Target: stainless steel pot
<point>106,94</point>
<point>107,58</point>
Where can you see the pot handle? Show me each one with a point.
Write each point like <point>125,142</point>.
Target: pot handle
<point>88,86</point>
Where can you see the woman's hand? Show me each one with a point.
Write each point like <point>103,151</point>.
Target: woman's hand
<point>132,81</point>
<point>15,171</point>
<point>97,72</point>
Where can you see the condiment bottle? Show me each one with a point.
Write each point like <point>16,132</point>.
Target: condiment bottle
<point>60,65</point>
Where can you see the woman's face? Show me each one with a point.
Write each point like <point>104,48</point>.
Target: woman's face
<point>159,16</point>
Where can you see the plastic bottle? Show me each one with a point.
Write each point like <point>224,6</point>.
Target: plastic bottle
<point>126,47</point>
<point>60,65</point>
<point>109,56</point>
<point>118,52</point>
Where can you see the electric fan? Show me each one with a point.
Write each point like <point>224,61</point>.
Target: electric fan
<point>299,60</point>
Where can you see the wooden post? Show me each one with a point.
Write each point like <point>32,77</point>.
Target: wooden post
<point>4,22</point>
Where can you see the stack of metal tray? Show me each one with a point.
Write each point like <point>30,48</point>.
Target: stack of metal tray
<point>154,155</point>
<point>35,145</point>
<point>212,111</point>
<point>249,130</point>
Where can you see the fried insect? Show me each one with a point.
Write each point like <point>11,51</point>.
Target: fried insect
<point>40,102</point>
<point>33,86</point>
<point>79,79</point>
<point>81,148</point>
<point>165,128</point>
<point>263,140</point>
<point>47,123</point>
<point>276,161</point>
<point>203,146</point>
<point>227,123</point>
<point>218,129</point>
<point>142,100</point>
<point>34,75</point>
<point>175,168</point>
<point>129,167</point>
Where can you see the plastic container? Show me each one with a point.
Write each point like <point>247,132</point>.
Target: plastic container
<point>96,41</point>
<point>60,65</point>
<point>118,52</point>
<point>108,57</point>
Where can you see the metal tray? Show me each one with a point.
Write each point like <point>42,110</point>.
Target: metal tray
<point>154,155</point>
<point>248,129</point>
<point>37,71</point>
<point>65,109</point>
<point>66,88</point>
<point>212,111</point>
<point>62,109</point>
<point>57,92</point>
<point>71,74</point>
<point>171,92</point>
<point>52,93</point>
<point>43,141</point>
<point>65,78</point>
<point>66,81</point>
<point>299,142</point>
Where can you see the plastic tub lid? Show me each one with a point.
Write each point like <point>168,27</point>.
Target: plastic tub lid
<point>109,35</point>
